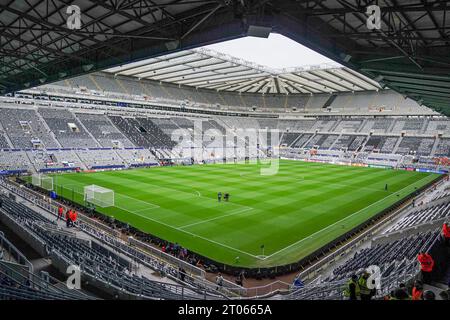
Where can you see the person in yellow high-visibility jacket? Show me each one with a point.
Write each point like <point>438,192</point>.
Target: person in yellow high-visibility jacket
<point>364,290</point>
<point>352,289</point>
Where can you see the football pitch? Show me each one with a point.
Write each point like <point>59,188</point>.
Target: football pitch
<point>268,221</point>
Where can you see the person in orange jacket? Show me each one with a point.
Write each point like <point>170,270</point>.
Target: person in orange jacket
<point>446,233</point>
<point>60,213</point>
<point>426,266</point>
<point>73,217</point>
<point>417,290</point>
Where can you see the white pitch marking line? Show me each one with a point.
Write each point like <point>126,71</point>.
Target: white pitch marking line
<point>217,218</point>
<point>337,222</point>
<point>155,206</point>
<point>141,210</point>
<point>196,236</point>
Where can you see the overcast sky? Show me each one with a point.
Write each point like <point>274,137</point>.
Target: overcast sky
<point>275,52</point>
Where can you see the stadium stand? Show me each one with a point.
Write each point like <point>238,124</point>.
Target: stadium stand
<point>24,125</point>
<point>103,130</point>
<point>67,129</point>
<point>3,142</point>
<point>388,256</point>
<point>111,271</point>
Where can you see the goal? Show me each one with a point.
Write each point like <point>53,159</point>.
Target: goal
<point>99,196</point>
<point>45,182</point>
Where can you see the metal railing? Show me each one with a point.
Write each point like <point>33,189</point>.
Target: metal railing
<point>13,254</point>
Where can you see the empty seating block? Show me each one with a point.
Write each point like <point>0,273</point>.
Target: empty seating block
<point>103,130</point>
<point>24,125</point>
<point>67,129</point>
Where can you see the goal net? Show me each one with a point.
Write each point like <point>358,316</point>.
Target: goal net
<point>36,180</point>
<point>45,182</point>
<point>99,196</point>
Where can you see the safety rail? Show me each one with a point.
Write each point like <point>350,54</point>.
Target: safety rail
<point>14,254</point>
<point>44,284</point>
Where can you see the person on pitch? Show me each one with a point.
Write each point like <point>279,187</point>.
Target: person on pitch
<point>219,196</point>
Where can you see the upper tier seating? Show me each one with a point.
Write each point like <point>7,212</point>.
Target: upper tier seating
<point>107,83</point>
<point>83,81</point>
<point>251,100</point>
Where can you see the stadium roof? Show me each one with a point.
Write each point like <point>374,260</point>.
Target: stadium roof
<point>208,69</point>
<point>409,53</point>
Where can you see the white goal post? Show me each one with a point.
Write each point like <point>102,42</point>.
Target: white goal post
<point>45,182</point>
<point>99,196</point>
<point>36,180</point>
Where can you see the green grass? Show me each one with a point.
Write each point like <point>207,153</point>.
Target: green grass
<point>293,213</point>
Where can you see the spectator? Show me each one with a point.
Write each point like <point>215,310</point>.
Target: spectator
<point>68,221</point>
<point>182,274</point>
<point>60,213</point>
<point>446,233</point>
<point>417,290</point>
<point>364,291</point>
<point>426,266</point>
<point>73,217</point>
<point>241,277</point>
<point>352,290</point>
<point>219,281</point>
